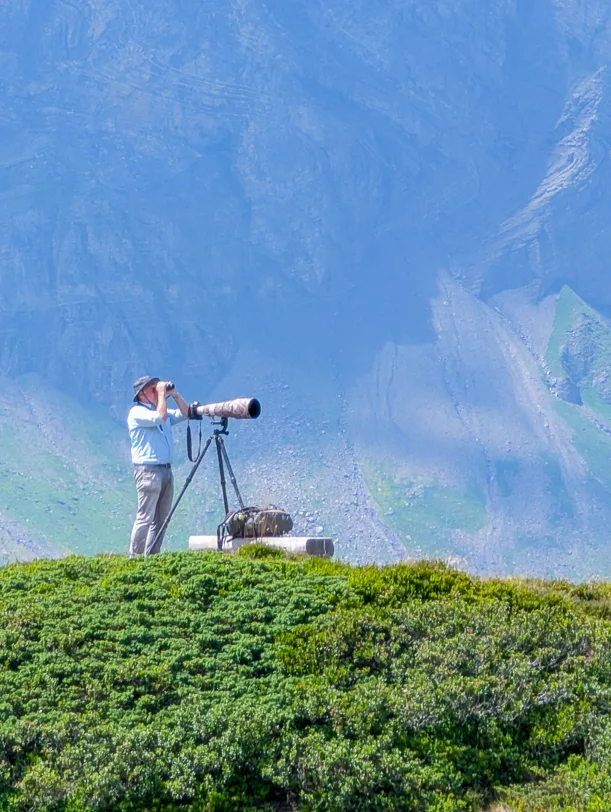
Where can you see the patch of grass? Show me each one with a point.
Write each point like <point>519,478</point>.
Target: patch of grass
<point>593,400</point>
<point>569,307</point>
<point>66,474</point>
<point>62,474</point>
<point>555,487</point>
<point>427,514</point>
<point>260,552</point>
<point>580,346</point>
<point>593,444</point>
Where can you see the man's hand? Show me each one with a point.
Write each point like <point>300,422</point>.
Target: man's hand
<point>163,394</point>
<point>162,386</point>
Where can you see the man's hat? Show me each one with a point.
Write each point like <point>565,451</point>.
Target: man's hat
<point>141,383</point>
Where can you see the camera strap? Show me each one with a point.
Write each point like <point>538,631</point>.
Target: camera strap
<point>190,443</point>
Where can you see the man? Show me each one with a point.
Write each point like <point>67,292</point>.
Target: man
<point>150,429</point>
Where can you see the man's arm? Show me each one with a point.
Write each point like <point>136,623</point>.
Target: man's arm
<point>181,403</point>
<point>162,403</point>
<point>144,418</point>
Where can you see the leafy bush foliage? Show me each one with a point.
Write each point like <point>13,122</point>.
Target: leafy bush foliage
<point>206,682</point>
<point>260,551</point>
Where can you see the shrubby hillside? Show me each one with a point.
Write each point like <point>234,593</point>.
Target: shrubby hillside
<point>202,682</point>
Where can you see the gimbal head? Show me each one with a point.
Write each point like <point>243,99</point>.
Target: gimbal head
<point>224,426</point>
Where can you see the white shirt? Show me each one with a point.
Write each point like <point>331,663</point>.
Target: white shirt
<point>151,438</point>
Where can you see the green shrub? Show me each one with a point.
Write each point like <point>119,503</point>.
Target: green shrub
<point>260,551</point>
<point>208,682</point>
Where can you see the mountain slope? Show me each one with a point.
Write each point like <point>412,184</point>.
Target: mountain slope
<point>368,215</point>
<point>484,458</point>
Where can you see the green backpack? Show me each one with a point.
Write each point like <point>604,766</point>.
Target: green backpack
<point>254,523</point>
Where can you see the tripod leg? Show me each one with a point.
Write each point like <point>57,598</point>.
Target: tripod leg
<point>184,488</point>
<point>231,474</point>
<point>219,447</point>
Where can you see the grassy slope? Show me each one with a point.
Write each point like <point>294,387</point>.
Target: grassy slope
<point>62,474</point>
<point>580,349</point>
<point>66,477</point>
<point>580,344</point>
<point>202,682</point>
<point>424,515</point>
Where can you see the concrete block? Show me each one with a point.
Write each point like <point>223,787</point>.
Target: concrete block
<point>310,545</point>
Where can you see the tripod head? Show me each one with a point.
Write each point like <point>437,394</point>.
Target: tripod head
<point>224,425</point>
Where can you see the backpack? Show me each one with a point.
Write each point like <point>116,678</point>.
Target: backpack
<point>253,523</point>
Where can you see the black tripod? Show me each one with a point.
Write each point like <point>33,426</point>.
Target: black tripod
<point>223,460</point>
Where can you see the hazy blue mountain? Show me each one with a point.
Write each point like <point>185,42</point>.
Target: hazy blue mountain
<point>388,220</point>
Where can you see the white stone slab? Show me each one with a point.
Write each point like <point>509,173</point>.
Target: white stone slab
<point>310,545</point>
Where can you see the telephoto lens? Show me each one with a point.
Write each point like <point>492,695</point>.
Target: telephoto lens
<point>240,409</point>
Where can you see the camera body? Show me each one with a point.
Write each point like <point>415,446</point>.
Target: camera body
<point>193,407</point>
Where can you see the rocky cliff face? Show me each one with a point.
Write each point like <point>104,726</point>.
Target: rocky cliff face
<point>396,212</point>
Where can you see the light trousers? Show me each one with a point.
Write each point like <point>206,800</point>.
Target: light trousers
<point>155,487</point>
